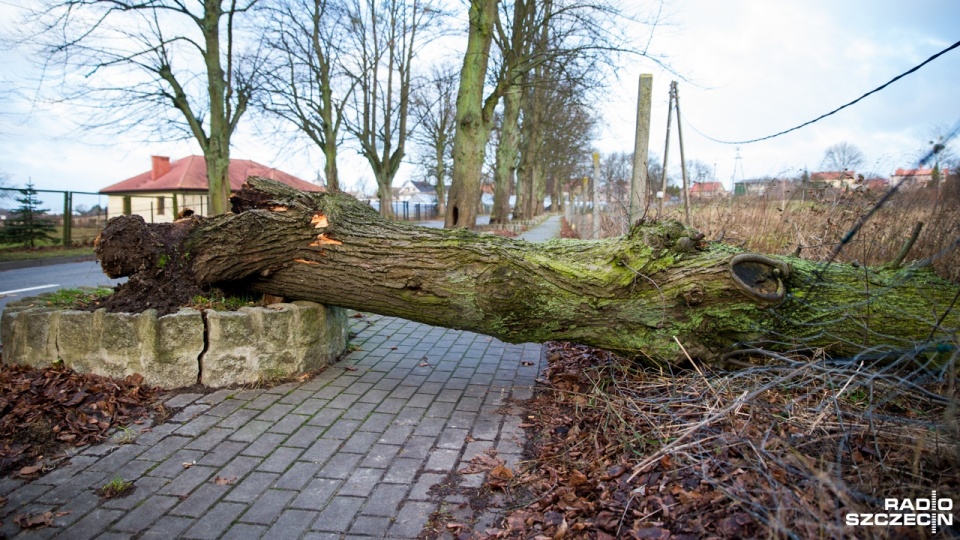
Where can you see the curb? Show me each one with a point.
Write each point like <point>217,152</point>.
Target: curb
<point>31,263</point>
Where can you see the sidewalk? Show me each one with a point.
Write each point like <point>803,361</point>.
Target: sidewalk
<point>352,453</point>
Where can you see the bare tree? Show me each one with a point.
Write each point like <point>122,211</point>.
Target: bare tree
<point>180,69</point>
<point>528,34</point>
<point>699,171</point>
<point>386,37</point>
<point>843,156</point>
<point>309,89</point>
<point>435,109</point>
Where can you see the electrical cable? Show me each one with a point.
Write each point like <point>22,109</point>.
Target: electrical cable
<point>838,109</point>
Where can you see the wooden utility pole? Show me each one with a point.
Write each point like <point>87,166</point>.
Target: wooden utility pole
<point>666,149</point>
<point>641,150</point>
<point>683,163</point>
<point>596,198</point>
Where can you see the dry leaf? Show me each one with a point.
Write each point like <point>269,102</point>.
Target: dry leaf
<point>34,521</point>
<point>188,464</point>
<point>29,471</point>
<point>221,481</point>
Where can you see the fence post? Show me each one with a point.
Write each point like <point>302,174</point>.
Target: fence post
<point>127,207</point>
<point>641,150</point>
<point>176,209</point>
<point>67,218</point>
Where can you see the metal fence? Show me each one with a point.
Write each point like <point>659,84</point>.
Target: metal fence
<point>407,211</point>
<point>78,215</point>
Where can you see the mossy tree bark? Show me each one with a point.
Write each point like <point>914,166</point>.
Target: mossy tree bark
<point>633,294</point>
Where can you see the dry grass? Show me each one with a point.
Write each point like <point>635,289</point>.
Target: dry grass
<point>813,223</point>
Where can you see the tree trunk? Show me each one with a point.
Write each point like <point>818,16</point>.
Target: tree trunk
<point>507,153</point>
<point>473,119</point>
<point>639,294</point>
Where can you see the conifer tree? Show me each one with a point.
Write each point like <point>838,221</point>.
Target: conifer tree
<point>27,224</point>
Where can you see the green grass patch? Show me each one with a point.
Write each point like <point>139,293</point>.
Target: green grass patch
<point>75,298</point>
<point>218,301</point>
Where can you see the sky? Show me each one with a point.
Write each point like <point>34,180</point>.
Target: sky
<point>745,69</point>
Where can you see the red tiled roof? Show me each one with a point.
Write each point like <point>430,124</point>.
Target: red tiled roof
<point>832,175</point>
<point>919,172</point>
<point>706,187</point>
<point>190,174</point>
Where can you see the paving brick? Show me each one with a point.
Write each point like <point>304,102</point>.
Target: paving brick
<point>371,526</point>
<point>292,523</point>
<point>396,434</point>
<point>359,387</point>
<point>262,401</point>
<point>462,419</point>
<point>222,453</point>
<point>385,499</point>
<point>380,456</point>
<point>417,446</point>
<point>452,438</point>
<point>268,506</point>
<point>321,451</point>
<point>163,449</point>
<point>168,528</point>
<point>391,405</point>
<point>297,396</point>
<point>325,417</point>
<point>410,416</point>
<point>442,459</point>
<point>316,494</point>
<point>275,412</point>
<point>109,535</point>
<point>182,485</point>
<point>227,407</point>
<point>305,436</point>
<point>189,413</point>
<point>374,396</point>
<point>310,407</point>
<point>360,442</point>
<point>359,411</point>
<point>198,425</point>
<point>288,424</point>
<point>202,498</point>
<point>411,519</point>
<point>83,481</point>
<point>91,525</point>
<point>421,489</point>
<point>430,427</point>
<point>146,514</point>
<point>338,514</point>
<point>403,470</point>
<point>214,522</point>
<point>280,459</point>
<point>341,429</point>
<point>297,475</point>
<point>210,439</point>
<point>340,466</point>
<point>250,431</point>
<point>238,418</point>
<point>173,465</point>
<point>245,531</point>
<point>155,434</point>
<point>264,445</point>
<point>248,489</point>
<point>361,482</point>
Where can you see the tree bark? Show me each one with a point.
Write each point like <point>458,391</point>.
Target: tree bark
<point>640,294</point>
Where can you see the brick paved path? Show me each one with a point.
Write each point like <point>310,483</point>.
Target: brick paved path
<point>350,454</point>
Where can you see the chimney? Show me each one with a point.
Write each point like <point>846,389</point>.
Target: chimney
<point>160,165</point>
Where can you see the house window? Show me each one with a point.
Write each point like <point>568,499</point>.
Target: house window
<point>160,205</point>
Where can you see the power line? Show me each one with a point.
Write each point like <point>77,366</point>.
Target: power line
<point>838,109</point>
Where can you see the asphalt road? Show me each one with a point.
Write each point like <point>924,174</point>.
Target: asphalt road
<point>33,281</point>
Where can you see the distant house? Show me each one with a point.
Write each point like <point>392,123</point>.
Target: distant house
<point>834,179</point>
<point>916,178</point>
<point>707,190</point>
<point>415,192</point>
<point>169,187</point>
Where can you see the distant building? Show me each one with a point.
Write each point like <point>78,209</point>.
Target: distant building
<point>169,187</point>
<point>917,178</point>
<point>772,187</point>
<point>834,179</point>
<point>707,190</point>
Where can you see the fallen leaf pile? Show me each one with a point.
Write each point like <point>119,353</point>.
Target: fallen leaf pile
<point>621,452</point>
<point>41,410</point>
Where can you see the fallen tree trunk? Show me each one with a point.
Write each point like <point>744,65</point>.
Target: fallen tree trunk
<point>642,294</point>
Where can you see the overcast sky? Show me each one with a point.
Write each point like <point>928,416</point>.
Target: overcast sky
<point>746,69</point>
